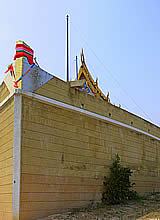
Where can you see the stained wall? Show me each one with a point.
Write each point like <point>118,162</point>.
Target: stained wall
<point>4,92</point>
<point>66,154</point>
<point>6,155</point>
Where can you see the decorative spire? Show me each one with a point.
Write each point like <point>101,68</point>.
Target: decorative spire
<point>82,57</point>
<point>108,98</point>
<point>97,81</point>
<point>92,86</point>
<point>23,50</point>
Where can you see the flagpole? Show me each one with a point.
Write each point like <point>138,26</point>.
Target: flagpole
<point>76,67</point>
<point>67,17</point>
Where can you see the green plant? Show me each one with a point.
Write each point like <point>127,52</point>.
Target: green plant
<point>117,187</point>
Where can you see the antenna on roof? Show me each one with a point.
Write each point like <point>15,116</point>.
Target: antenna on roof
<point>67,17</point>
<point>76,68</point>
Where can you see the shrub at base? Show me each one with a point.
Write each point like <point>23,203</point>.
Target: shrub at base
<point>117,188</point>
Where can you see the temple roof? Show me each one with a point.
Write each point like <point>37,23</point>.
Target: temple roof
<point>91,85</point>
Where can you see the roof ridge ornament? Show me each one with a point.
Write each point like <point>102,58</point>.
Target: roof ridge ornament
<point>82,57</point>
<point>93,87</point>
<point>96,81</point>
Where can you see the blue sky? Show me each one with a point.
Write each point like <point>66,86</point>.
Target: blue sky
<point>121,40</point>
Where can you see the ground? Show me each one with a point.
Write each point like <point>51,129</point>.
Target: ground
<point>147,208</point>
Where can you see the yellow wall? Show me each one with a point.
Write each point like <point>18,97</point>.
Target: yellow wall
<point>56,172</point>
<point>6,159</point>
<point>65,154</point>
<point>59,90</point>
<point>4,92</point>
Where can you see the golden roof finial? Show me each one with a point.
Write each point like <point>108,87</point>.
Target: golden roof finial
<point>108,98</point>
<point>96,81</point>
<point>82,57</point>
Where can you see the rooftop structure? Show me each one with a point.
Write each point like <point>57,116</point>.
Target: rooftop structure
<point>58,139</point>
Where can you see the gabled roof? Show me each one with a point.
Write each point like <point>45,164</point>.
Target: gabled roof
<point>90,83</point>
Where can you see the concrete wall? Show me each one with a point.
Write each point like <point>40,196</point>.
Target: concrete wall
<point>58,166</point>
<point>60,90</point>
<point>4,92</point>
<point>65,154</point>
<point>6,155</point>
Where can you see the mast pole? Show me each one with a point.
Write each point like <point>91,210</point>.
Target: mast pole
<point>67,17</point>
<point>76,67</point>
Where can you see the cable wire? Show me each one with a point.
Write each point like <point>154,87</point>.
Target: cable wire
<point>104,66</point>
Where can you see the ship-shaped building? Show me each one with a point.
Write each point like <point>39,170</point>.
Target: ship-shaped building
<point>58,140</point>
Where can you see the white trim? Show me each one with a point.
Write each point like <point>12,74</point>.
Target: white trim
<point>17,155</point>
<point>6,99</point>
<point>86,112</point>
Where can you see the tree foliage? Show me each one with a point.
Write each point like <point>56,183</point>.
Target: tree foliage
<point>118,187</point>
